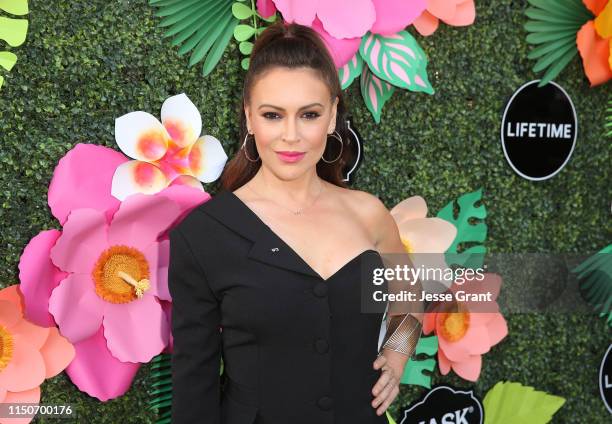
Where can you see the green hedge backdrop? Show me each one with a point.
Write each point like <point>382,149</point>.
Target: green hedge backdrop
<point>84,63</point>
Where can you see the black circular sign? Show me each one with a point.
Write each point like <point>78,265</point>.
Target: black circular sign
<point>605,379</point>
<point>538,131</point>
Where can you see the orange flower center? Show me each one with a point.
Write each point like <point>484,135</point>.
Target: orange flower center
<point>407,247</point>
<point>454,325</point>
<point>121,274</point>
<point>6,347</point>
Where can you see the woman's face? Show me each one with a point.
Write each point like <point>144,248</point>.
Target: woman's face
<point>290,112</point>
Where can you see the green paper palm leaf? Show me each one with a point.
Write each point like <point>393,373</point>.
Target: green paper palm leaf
<point>398,59</point>
<point>595,277</point>
<point>424,359</point>
<point>351,70</point>
<point>552,25</point>
<point>608,124</point>
<point>161,387</point>
<point>513,403</point>
<point>375,92</point>
<point>202,27</point>
<point>468,231</point>
<point>244,32</point>
<point>12,31</point>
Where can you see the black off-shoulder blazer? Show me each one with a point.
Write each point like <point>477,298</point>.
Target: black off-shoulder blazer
<point>296,347</point>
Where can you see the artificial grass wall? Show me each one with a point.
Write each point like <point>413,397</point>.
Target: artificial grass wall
<point>86,63</point>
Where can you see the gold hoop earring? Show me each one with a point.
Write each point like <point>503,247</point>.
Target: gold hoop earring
<point>339,138</point>
<point>244,148</point>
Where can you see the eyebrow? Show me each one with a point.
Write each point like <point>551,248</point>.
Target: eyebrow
<point>280,108</point>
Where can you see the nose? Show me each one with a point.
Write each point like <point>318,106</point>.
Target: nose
<point>290,130</point>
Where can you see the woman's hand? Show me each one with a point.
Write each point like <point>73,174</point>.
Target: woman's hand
<point>386,388</point>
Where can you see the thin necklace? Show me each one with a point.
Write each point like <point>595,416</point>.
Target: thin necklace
<point>295,212</point>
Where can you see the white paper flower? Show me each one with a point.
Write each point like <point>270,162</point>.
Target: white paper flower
<point>167,152</point>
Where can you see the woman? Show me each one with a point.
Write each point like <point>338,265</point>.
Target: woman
<point>266,273</point>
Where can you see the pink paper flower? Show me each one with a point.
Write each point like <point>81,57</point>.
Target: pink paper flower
<point>166,152</point>
<point>451,12</point>
<point>97,372</point>
<point>81,179</point>
<point>342,35</point>
<point>266,8</point>
<point>167,307</point>
<point>82,182</point>
<point>93,370</point>
<point>28,354</point>
<point>468,332</point>
<point>114,280</point>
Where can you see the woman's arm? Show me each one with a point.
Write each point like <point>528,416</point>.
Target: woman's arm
<point>197,341</point>
<point>388,241</point>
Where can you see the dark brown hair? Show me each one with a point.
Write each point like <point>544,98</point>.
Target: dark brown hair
<point>290,45</point>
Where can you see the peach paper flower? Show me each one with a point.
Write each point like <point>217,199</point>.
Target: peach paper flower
<point>468,332</point>
<point>451,12</point>
<point>29,354</point>
<point>594,41</point>
<point>424,239</point>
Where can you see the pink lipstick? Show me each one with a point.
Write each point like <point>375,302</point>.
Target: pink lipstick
<point>290,156</point>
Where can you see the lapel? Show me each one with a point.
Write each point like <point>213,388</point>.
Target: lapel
<point>267,247</point>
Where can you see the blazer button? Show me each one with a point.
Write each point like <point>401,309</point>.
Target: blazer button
<point>321,345</point>
<point>320,289</point>
<point>325,403</point>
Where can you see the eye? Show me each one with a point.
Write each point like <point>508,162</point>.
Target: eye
<point>313,115</point>
<point>267,115</point>
<point>273,115</point>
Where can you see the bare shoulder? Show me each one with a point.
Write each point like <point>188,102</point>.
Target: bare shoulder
<point>375,217</point>
<point>368,205</point>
